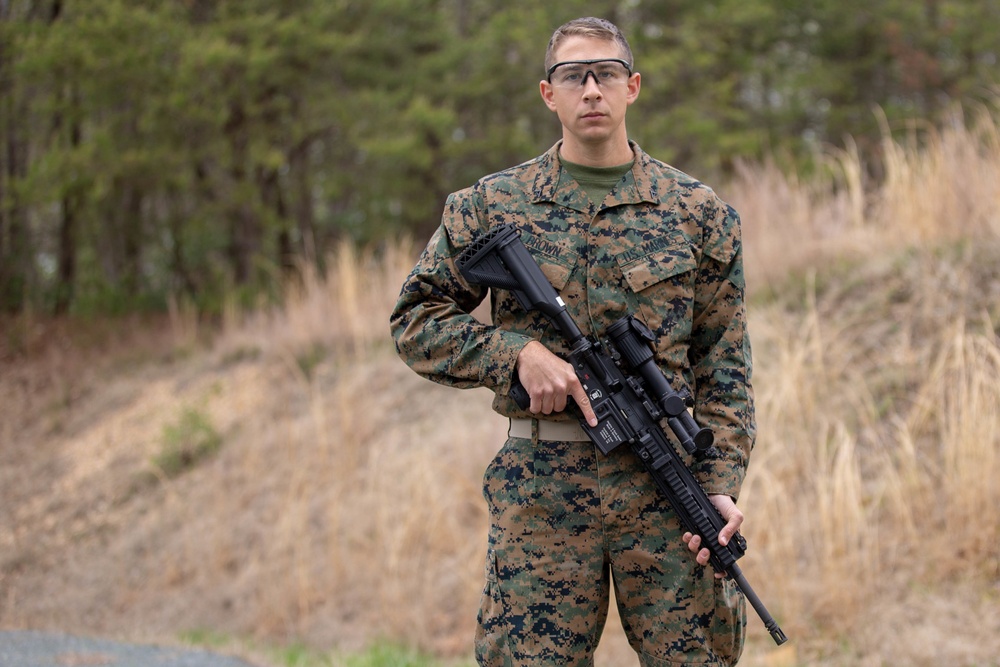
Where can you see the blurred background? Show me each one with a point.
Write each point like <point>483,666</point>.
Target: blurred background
<point>207,208</point>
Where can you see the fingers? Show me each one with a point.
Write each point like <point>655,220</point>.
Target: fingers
<point>547,399</point>
<point>550,381</point>
<point>580,396</point>
<point>734,519</point>
<point>702,556</point>
<point>694,546</point>
<point>540,373</point>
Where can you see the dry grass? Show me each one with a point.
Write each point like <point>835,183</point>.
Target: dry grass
<point>344,505</point>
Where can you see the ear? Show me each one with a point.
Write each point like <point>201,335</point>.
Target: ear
<point>634,84</point>
<point>548,94</point>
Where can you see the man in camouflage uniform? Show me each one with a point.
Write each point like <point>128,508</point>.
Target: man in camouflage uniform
<point>615,232</point>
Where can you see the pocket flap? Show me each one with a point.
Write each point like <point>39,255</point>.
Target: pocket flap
<point>557,274</point>
<point>658,266</point>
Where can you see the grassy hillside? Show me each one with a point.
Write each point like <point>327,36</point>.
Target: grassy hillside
<point>290,480</point>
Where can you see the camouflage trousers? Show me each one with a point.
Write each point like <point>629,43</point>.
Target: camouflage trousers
<point>567,523</point>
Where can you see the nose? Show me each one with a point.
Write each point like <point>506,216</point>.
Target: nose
<point>591,89</point>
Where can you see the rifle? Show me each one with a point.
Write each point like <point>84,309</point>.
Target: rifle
<point>628,393</point>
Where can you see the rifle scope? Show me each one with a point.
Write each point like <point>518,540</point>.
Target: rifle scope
<point>633,341</point>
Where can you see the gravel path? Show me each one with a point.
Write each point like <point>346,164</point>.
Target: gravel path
<point>43,649</point>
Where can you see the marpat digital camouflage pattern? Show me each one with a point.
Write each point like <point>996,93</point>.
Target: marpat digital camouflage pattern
<point>666,248</point>
<point>560,521</point>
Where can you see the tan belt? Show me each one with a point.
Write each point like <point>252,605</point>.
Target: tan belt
<point>567,431</point>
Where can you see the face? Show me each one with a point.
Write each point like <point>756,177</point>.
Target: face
<point>592,114</point>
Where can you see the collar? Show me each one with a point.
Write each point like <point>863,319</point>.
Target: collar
<point>553,185</point>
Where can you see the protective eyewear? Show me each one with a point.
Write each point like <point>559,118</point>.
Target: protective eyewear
<point>606,71</point>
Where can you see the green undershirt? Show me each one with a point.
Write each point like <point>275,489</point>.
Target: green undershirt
<point>597,182</point>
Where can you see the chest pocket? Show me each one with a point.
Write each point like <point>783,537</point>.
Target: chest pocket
<point>662,283</point>
<point>557,274</point>
<point>658,266</point>
<point>556,259</point>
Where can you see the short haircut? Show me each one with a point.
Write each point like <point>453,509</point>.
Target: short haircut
<point>588,27</point>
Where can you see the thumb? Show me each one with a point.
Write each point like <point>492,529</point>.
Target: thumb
<point>733,516</point>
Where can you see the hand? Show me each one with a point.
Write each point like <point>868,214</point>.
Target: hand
<point>549,381</point>
<point>734,519</point>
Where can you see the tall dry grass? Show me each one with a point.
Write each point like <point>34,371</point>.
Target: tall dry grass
<point>871,495</point>
<point>938,184</point>
<point>379,523</point>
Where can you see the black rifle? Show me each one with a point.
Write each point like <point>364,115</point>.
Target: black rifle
<point>629,408</point>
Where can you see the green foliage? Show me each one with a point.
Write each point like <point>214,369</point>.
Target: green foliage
<point>299,655</point>
<point>187,443</point>
<point>150,149</point>
<point>388,655</point>
<point>205,637</point>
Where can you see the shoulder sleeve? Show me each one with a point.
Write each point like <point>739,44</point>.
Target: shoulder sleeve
<point>720,351</point>
<point>432,325</point>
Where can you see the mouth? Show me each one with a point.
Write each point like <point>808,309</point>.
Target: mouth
<point>593,115</point>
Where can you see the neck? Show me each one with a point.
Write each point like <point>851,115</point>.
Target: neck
<point>605,154</point>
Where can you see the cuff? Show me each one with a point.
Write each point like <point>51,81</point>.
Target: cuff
<point>720,476</point>
<point>498,374</point>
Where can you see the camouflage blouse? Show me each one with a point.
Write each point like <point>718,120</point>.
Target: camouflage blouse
<point>662,246</point>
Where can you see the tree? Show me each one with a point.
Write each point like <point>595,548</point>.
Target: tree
<point>148,148</point>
